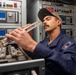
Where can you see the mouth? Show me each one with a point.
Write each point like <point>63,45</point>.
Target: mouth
<point>46,26</point>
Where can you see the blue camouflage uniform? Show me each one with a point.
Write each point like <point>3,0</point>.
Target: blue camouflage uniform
<point>60,55</point>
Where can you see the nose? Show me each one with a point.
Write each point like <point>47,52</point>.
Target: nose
<point>44,22</point>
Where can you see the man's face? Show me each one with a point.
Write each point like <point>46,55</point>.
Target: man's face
<point>50,23</point>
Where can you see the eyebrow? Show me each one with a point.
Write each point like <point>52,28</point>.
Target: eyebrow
<point>47,17</point>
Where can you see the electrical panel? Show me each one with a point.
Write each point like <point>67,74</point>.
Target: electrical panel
<point>12,15</point>
<point>66,12</point>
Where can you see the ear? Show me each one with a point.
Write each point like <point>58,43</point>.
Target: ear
<point>59,22</point>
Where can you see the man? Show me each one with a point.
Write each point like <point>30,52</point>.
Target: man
<point>58,50</point>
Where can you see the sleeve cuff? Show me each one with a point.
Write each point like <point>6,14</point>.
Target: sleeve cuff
<point>41,50</point>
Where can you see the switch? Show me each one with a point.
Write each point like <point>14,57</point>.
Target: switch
<point>10,14</point>
<point>4,4</point>
<point>15,5</point>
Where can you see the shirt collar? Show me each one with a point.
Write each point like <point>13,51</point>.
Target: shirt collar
<point>55,42</point>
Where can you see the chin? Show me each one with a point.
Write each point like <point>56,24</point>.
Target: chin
<point>46,30</point>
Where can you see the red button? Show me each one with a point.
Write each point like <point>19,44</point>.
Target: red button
<point>15,5</point>
<point>70,11</point>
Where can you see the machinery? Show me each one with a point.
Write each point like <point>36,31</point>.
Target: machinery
<point>10,53</point>
<point>30,67</point>
<point>66,12</point>
<point>13,59</point>
<point>11,12</point>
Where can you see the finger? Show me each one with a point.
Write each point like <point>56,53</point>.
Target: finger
<point>18,30</point>
<point>26,26</point>
<point>15,33</point>
<point>11,37</point>
<point>8,36</point>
